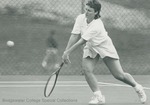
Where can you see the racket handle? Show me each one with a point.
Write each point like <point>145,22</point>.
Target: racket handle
<point>61,64</point>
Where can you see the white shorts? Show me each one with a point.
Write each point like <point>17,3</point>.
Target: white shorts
<point>105,49</point>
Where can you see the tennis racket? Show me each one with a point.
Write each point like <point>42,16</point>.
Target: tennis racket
<point>51,82</point>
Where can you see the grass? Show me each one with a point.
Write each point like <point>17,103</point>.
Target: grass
<point>132,3</point>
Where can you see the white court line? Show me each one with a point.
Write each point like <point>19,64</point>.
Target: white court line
<point>12,82</point>
<point>44,85</point>
<point>26,84</point>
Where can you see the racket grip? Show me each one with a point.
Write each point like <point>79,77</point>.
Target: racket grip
<point>61,64</point>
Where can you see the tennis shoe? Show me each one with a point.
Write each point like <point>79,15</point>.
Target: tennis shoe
<point>97,100</point>
<point>141,93</point>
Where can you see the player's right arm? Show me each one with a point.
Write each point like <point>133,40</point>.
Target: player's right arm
<point>76,31</point>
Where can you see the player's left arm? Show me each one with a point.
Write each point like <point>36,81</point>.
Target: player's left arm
<point>66,54</point>
<point>76,45</point>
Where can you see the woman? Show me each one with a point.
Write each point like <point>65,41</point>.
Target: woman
<point>98,44</point>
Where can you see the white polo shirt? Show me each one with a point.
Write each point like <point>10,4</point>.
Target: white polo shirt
<point>98,41</point>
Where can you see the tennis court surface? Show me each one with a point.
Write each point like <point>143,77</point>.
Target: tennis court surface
<point>69,90</point>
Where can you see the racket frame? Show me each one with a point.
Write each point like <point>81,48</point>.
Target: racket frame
<point>54,73</point>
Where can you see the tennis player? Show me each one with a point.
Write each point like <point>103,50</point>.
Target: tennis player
<point>89,30</point>
<point>51,51</point>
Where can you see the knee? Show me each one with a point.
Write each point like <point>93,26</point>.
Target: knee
<point>86,69</point>
<point>120,76</point>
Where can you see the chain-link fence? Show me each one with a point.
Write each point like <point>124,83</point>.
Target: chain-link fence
<point>29,22</point>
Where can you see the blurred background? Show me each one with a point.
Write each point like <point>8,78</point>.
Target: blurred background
<point>28,23</point>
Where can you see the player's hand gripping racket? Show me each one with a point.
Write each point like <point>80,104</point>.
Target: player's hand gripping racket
<point>51,82</point>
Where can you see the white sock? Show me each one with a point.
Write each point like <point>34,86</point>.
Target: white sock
<point>137,87</point>
<point>99,93</point>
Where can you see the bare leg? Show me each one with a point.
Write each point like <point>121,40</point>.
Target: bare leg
<point>117,71</point>
<point>88,67</point>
